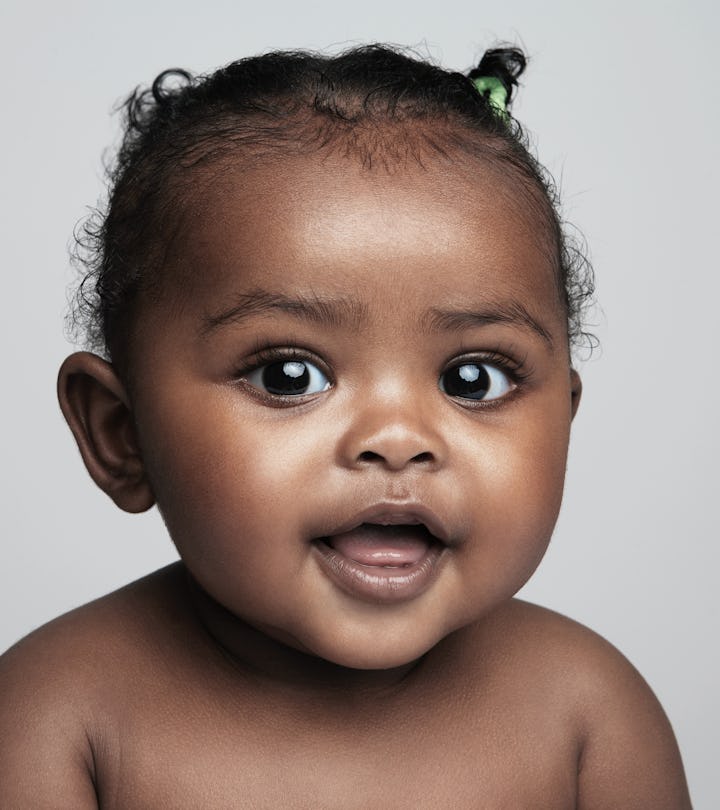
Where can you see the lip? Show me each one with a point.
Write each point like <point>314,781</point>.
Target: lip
<point>396,514</point>
<point>378,584</point>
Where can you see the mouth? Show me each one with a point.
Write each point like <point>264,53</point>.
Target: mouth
<point>384,555</point>
<point>380,545</point>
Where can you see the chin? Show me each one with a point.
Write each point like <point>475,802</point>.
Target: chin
<point>373,660</point>
<point>376,653</point>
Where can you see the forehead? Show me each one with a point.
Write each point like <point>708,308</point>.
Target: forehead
<point>326,224</point>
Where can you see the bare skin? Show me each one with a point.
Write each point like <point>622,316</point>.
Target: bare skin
<point>131,697</point>
<point>271,668</point>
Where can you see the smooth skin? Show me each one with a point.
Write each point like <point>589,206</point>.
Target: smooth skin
<point>248,676</point>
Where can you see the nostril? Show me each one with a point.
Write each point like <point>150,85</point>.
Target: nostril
<point>368,455</point>
<point>373,457</point>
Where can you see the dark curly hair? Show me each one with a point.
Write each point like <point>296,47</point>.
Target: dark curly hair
<point>285,103</point>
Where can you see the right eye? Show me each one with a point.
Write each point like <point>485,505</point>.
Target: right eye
<point>288,378</point>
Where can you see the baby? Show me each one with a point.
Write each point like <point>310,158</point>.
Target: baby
<point>338,309</point>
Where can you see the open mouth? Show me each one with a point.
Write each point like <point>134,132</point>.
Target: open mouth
<point>391,560</point>
<point>384,546</point>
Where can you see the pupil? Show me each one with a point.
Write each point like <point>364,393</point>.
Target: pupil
<point>470,381</point>
<point>286,378</point>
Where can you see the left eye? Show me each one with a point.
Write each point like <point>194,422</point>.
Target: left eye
<point>287,378</point>
<point>478,381</point>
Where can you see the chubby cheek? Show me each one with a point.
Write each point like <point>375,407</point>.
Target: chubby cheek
<point>519,475</point>
<point>231,494</point>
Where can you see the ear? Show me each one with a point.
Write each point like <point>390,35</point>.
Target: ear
<point>575,392</point>
<point>97,409</point>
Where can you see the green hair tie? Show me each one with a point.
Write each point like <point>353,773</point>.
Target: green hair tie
<point>495,92</point>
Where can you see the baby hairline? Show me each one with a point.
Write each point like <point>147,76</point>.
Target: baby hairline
<point>143,195</point>
<point>354,103</point>
<point>185,183</point>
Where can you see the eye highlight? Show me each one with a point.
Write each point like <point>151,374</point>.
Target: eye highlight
<point>288,378</point>
<point>475,381</point>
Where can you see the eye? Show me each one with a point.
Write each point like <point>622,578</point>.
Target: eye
<point>287,378</point>
<point>477,381</point>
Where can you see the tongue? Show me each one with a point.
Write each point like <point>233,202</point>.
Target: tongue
<point>384,546</point>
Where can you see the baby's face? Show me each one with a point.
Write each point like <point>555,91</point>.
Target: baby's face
<point>355,415</point>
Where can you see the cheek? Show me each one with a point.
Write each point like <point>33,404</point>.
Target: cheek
<point>219,475</point>
<point>519,473</point>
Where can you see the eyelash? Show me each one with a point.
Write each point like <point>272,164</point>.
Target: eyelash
<point>517,371</point>
<point>263,355</point>
<point>266,355</point>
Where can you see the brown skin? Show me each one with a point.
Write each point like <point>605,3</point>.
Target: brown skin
<point>247,676</point>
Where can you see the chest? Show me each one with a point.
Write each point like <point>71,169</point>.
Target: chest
<point>456,758</point>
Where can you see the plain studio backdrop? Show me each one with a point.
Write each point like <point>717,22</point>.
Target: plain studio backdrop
<point>622,100</point>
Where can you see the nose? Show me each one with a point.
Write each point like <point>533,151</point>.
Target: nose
<point>393,435</point>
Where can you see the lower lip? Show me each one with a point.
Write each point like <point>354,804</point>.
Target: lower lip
<point>375,583</point>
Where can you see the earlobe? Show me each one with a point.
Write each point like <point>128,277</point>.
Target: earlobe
<point>97,409</point>
<point>575,392</point>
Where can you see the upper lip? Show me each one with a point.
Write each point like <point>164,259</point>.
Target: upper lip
<point>396,514</point>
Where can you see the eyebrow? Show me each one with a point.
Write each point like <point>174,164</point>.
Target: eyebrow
<point>326,312</point>
<point>342,312</point>
<point>510,312</point>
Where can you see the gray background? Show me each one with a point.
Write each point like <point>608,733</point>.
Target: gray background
<point>623,101</point>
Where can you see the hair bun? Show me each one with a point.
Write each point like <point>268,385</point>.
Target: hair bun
<point>505,64</point>
<point>169,83</point>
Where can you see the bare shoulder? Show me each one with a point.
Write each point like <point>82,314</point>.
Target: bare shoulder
<point>99,636</point>
<point>57,683</point>
<point>627,756</point>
